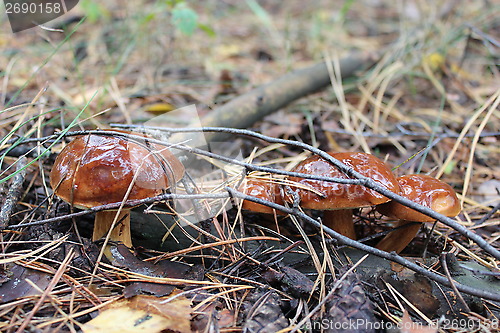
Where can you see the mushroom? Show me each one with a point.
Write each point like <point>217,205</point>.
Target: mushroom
<point>422,189</point>
<point>338,200</point>
<point>94,170</point>
<point>262,189</point>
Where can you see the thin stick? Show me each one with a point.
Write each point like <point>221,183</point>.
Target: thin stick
<point>356,177</point>
<point>363,247</point>
<point>14,192</point>
<point>444,257</point>
<point>489,214</point>
<point>127,203</point>
<point>363,180</point>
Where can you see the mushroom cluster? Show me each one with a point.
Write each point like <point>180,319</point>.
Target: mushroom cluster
<point>338,200</point>
<point>110,168</point>
<point>94,170</point>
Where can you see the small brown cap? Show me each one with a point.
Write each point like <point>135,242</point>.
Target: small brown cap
<point>262,189</point>
<point>342,196</point>
<point>94,170</point>
<point>427,191</point>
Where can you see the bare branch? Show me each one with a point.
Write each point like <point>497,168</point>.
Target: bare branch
<point>393,256</point>
<point>358,179</point>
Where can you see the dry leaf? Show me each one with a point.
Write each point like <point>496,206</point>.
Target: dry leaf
<point>408,326</point>
<point>160,108</point>
<point>143,314</point>
<point>16,285</point>
<point>211,315</point>
<point>398,268</point>
<point>227,51</point>
<point>489,192</point>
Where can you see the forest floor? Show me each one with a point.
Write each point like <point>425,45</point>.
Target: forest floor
<point>424,99</point>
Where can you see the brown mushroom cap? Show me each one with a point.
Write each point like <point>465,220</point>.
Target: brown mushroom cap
<point>262,189</point>
<point>427,191</point>
<point>94,170</point>
<point>343,196</point>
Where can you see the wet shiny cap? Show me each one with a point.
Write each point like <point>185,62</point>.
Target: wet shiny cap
<point>94,170</point>
<point>262,189</point>
<point>342,196</point>
<point>427,191</point>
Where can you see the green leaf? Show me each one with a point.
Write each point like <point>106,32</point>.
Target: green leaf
<point>172,3</point>
<point>260,12</point>
<point>207,29</point>
<point>147,18</point>
<point>93,10</point>
<point>184,18</point>
<point>449,167</point>
<point>345,8</point>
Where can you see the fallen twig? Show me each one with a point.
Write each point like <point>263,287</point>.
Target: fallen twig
<point>444,258</point>
<point>14,192</point>
<point>356,177</point>
<point>363,180</point>
<point>128,203</point>
<point>245,110</point>
<point>366,248</point>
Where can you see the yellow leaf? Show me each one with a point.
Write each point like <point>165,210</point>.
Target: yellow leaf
<point>227,50</point>
<point>434,61</point>
<point>125,320</point>
<point>143,314</point>
<point>160,108</point>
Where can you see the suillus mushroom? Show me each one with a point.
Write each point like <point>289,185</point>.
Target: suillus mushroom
<point>263,189</point>
<point>422,189</point>
<point>94,170</point>
<point>338,200</point>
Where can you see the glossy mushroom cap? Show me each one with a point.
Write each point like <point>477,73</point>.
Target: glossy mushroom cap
<point>94,170</point>
<point>427,191</point>
<point>262,189</point>
<point>342,196</point>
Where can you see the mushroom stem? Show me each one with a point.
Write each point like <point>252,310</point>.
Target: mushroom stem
<point>121,231</point>
<point>398,239</point>
<point>341,221</point>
